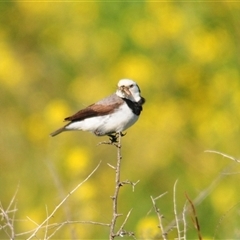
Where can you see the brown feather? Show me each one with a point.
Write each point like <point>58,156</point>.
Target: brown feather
<point>93,110</point>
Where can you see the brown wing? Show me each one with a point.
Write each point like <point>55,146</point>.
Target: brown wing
<point>93,111</point>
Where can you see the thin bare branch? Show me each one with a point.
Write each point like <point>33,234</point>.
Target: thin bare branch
<point>111,166</point>
<point>13,199</point>
<point>61,203</point>
<point>222,219</point>
<point>159,215</point>
<point>175,210</point>
<point>202,195</point>
<point>59,225</point>
<point>9,220</point>
<point>46,230</point>
<point>56,230</point>
<point>160,196</point>
<point>121,232</point>
<point>155,199</point>
<point>224,155</point>
<point>31,220</point>
<point>7,223</point>
<point>131,183</point>
<point>13,217</point>
<point>184,221</point>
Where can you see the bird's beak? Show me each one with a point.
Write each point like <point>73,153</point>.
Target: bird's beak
<point>125,90</point>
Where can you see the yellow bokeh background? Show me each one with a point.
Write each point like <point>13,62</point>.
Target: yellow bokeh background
<point>59,57</point>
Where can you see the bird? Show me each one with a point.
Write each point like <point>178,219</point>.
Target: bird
<point>111,115</point>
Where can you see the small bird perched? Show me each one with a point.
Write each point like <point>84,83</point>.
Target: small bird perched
<point>111,115</point>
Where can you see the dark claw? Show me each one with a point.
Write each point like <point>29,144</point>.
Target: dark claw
<point>123,134</point>
<point>113,138</point>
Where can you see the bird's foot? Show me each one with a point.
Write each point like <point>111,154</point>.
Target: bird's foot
<point>113,139</point>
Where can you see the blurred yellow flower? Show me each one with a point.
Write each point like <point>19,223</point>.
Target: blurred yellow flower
<point>137,67</point>
<point>77,160</point>
<point>204,46</point>
<point>35,128</point>
<point>11,70</point>
<point>56,111</point>
<point>223,198</point>
<point>169,19</point>
<point>147,228</point>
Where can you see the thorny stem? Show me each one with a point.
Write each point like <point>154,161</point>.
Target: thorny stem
<point>117,189</point>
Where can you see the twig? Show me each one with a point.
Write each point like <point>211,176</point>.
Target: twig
<point>222,219</point>
<point>160,216</point>
<point>111,166</point>
<point>224,155</point>
<point>57,229</point>
<point>61,192</point>
<point>13,217</point>
<point>60,204</point>
<point>175,210</point>
<point>31,220</point>
<point>202,195</point>
<point>46,230</point>
<point>131,183</point>
<point>122,232</point>
<point>184,221</point>
<point>9,221</point>
<point>195,218</point>
<point>59,225</point>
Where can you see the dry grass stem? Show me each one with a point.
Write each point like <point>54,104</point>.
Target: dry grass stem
<point>195,218</point>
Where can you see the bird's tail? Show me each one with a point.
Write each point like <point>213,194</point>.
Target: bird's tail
<point>53,134</point>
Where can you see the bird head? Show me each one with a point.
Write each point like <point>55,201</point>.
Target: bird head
<point>129,89</point>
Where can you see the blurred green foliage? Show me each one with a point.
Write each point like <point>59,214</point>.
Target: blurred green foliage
<point>56,58</point>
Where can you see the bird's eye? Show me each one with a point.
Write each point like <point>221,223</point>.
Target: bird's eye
<point>131,85</point>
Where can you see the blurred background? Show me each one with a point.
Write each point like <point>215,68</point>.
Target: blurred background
<point>56,58</point>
